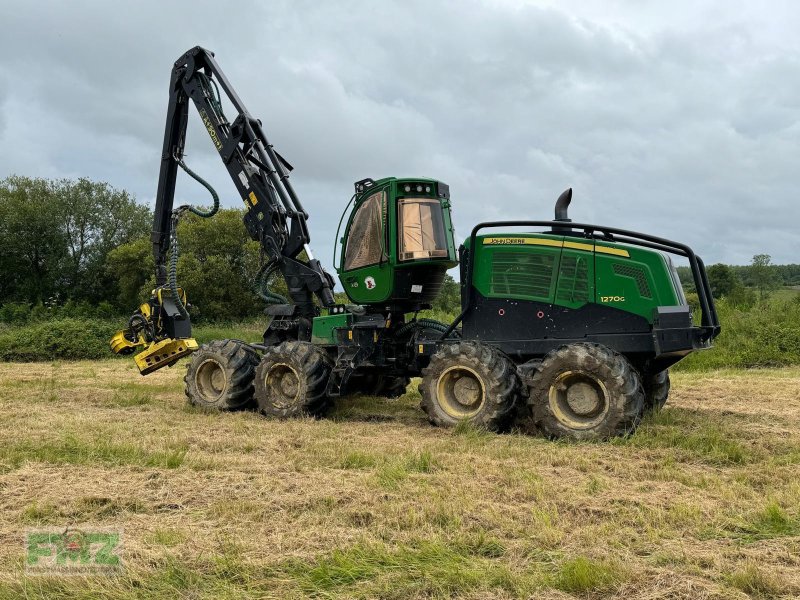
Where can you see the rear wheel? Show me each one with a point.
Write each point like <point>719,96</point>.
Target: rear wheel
<point>220,375</point>
<point>386,386</point>
<point>585,392</point>
<point>469,381</point>
<point>656,390</point>
<point>291,380</point>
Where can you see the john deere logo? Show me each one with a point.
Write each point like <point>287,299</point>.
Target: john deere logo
<point>72,551</point>
<point>370,283</point>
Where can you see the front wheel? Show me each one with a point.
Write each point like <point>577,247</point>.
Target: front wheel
<point>220,375</point>
<point>469,381</point>
<point>586,392</point>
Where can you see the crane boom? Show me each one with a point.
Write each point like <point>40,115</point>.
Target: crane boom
<point>274,215</point>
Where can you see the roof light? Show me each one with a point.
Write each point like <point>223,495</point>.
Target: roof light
<point>408,188</point>
<point>419,188</point>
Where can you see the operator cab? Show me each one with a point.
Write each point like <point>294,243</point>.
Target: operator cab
<point>398,244</point>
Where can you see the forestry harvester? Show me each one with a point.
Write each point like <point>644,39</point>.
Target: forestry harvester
<point>567,327</point>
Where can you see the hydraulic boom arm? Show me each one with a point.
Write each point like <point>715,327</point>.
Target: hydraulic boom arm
<point>274,217</point>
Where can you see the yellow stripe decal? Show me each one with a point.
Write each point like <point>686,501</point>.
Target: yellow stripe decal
<point>578,246</point>
<point>524,241</point>
<point>614,251</point>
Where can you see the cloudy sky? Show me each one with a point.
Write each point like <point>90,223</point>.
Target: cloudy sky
<point>676,118</point>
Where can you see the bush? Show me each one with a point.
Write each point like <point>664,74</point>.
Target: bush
<point>15,312</point>
<point>64,338</point>
<point>766,335</point>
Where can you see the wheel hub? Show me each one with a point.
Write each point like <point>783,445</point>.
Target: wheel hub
<point>583,398</point>
<point>461,392</point>
<point>579,400</point>
<point>284,384</point>
<point>211,380</point>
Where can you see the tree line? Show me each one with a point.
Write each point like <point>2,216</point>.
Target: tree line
<point>84,247</point>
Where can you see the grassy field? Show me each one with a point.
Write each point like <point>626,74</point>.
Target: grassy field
<point>373,502</point>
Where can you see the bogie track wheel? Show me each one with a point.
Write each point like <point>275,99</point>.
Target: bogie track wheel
<point>220,375</point>
<point>470,381</point>
<point>291,380</point>
<point>586,391</point>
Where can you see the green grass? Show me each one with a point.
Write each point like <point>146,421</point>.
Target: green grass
<point>358,460</point>
<point>431,569</point>
<point>582,575</point>
<point>754,582</point>
<point>691,438</point>
<point>74,450</point>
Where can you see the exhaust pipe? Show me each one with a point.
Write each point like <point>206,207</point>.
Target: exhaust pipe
<point>562,204</point>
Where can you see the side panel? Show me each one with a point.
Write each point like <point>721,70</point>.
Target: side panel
<point>518,267</point>
<point>637,283</point>
<point>323,329</point>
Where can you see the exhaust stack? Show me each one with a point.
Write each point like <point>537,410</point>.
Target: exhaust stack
<point>562,204</point>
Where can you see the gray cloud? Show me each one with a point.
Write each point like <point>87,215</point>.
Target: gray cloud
<point>680,121</point>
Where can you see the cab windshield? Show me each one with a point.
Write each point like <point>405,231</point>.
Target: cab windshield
<point>421,229</point>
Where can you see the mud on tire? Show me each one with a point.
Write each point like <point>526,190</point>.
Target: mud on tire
<point>220,375</point>
<point>469,381</point>
<point>291,380</point>
<point>586,391</point>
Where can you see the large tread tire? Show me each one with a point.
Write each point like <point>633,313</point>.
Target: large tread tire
<point>393,386</point>
<point>220,375</point>
<point>384,386</point>
<point>468,370</point>
<point>586,391</point>
<point>291,380</point>
<point>656,390</point>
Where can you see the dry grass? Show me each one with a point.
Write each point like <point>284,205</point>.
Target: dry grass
<point>373,502</point>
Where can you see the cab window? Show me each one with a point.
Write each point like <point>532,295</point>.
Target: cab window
<point>365,238</point>
<point>422,229</point>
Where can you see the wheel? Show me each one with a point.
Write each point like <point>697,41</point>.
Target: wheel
<point>470,381</point>
<point>656,390</point>
<point>586,392</point>
<point>373,384</point>
<point>220,375</point>
<point>393,386</point>
<point>291,380</point>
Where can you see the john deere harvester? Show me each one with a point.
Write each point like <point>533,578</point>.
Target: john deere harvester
<point>568,328</point>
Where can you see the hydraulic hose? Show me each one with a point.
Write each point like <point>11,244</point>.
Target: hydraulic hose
<point>422,324</point>
<point>262,285</point>
<point>198,211</point>
<point>172,267</point>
